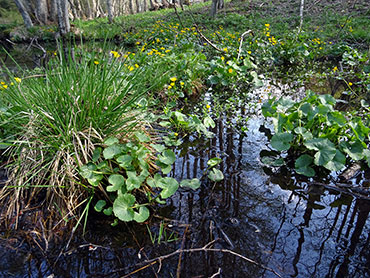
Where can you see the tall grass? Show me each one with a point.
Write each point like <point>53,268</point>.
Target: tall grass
<point>62,113</point>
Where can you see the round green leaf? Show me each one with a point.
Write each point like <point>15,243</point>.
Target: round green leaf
<point>112,151</point>
<point>168,157</point>
<point>124,161</point>
<point>100,205</point>
<point>116,181</point>
<point>159,148</point>
<point>302,165</point>
<point>355,150</point>
<point>108,211</point>
<point>214,161</point>
<point>215,175</point>
<point>142,215</point>
<point>96,154</point>
<point>281,141</point>
<point>111,141</point>
<point>169,186</point>
<point>122,207</point>
<point>193,183</point>
<point>142,137</point>
<point>337,163</point>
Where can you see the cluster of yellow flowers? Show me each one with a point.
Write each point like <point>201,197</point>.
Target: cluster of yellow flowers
<point>316,40</point>
<point>4,86</point>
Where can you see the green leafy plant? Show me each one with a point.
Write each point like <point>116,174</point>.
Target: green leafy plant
<point>127,174</point>
<point>316,135</point>
<point>214,174</point>
<point>187,123</point>
<point>163,235</point>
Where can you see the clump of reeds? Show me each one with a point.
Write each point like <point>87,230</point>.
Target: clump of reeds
<point>61,113</point>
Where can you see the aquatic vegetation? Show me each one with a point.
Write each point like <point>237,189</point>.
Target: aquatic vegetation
<point>131,170</point>
<point>316,135</point>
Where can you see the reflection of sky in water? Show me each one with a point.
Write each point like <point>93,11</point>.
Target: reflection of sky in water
<point>296,234</point>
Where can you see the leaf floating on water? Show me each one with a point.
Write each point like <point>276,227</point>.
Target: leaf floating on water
<point>214,161</point>
<point>193,183</point>
<point>215,175</point>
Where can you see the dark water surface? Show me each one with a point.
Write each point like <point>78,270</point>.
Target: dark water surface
<point>277,220</point>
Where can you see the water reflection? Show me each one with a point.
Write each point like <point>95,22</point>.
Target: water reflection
<point>297,229</point>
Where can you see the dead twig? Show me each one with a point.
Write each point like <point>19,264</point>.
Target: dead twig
<point>207,40</point>
<point>202,249</point>
<point>241,42</point>
<point>217,273</point>
<point>178,271</point>
<point>345,189</point>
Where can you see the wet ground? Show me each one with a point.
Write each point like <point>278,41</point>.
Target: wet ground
<point>280,221</point>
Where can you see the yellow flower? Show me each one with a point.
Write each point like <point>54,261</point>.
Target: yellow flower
<point>230,70</point>
<point>225,49</point>
<point>350,83</point>
<point>137,43</point>
<point>249,52</point>
<point>96,62</point>
<point>173,79</point>
<point>208,106</point>
<point>335,69</point>
<point>2,82</point>
<point>267,25</point>
<point>172,84</point>
<point>167,50</point>
<point>55,54</point>
<point>176,134</point>
<point>169,87</point>
<point>131,68</point>
<point>115,54</point>
<point>222,58</point>
<point>182,83</point>
<point>5,86</point>
<point>136,65</point>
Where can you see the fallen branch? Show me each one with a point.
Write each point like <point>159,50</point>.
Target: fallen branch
<point>207,40</point>
<point>346,189</point>
<point>202,249</point>
<point>241,42</point>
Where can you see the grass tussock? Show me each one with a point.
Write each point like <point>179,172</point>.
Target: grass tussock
<point>62,114</point>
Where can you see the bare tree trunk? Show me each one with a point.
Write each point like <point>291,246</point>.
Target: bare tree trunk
<point>110,14</point>
<point>145,6</point>
<point>137,6</point>
<point>41,11</point>
<point>214,8</point>
<point>73,9</point>
<point>53,11</point>
<point>26,17</point>
<point>131,6</point>
<point>221,4</point>
<point>301,14</point>
<point>63,19</point>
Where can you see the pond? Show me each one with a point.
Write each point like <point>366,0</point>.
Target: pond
<point>257,222</point>
<point>290,226</point>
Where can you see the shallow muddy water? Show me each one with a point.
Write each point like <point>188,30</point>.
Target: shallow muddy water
<point>276,219</point>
